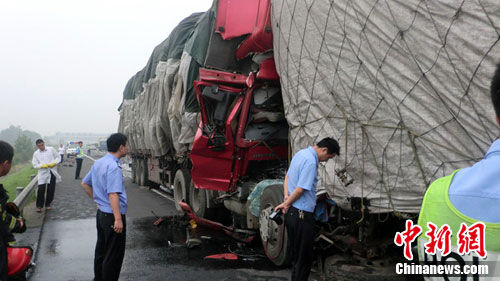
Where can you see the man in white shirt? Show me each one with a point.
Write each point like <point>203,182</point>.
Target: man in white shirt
<point>62,150</point>
<point>45,160</point>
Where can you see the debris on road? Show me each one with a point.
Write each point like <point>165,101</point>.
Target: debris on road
<point>193,224</point>
<point>158,222</point>
<point>193,242</point>
<point>242,235</point>
<point>225,256</point>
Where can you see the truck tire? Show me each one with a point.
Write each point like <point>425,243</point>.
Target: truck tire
<point>198,201</point>
<point>274,237</point>
<point>143,175</point>
<point>133,169</point>
<point>182,181</point>
<point>138,169</point>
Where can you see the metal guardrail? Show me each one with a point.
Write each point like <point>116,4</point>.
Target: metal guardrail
<point>25,194</point>
<point>89,157</point>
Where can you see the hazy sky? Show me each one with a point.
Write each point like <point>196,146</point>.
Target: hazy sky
<point>64,63</point>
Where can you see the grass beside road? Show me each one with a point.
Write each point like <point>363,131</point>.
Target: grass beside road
<point>19,178</point>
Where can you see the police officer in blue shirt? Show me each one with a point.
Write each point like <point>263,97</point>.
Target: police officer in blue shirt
<point>300,200</point>
<point>104,184</point>
<point>475,191</point>
<point>79,159</point>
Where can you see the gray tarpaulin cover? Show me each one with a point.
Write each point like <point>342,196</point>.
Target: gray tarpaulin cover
<point>171,47</point>
<point>183,108</point>
<point>144,113</point>
<point>402,84</point>
<point>160,112</point>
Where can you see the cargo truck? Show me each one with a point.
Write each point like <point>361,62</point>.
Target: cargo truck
<point>232,93</point>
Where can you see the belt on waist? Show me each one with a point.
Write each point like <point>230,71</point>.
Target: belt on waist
<point>300,213</point>
<point>106,213</point>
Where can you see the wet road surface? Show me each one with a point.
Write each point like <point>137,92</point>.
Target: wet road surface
<point>68,236</point>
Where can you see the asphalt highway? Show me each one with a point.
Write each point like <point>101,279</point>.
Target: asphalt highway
<point>67,236</point>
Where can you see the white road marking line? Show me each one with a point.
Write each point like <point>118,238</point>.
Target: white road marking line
<point>89,157</point>
<point>162,195</point>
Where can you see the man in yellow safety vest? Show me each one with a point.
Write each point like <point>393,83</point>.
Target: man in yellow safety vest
<point>79,159</point>
<point>467,202</point>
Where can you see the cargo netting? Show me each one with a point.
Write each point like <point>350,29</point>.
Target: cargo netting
<point>403,85</point>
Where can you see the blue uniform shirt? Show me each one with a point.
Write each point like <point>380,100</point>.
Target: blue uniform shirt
<point>475,190</point>
<point>302,173</point>
<point>106,177</point>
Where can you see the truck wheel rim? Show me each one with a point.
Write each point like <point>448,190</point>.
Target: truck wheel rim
<point>270,233</point>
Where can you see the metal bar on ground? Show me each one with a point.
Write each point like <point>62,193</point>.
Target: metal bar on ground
<point>89,157</point>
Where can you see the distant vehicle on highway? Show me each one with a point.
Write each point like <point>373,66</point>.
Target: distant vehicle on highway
<point>71,152</point>
<point>103,146</point>
<point>71,149</point>
<point>94,147</point>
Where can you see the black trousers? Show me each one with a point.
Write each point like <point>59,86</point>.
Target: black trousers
<point>78,167</point>
<point>41,200</point>
<point>62,157</point>
<point>109,249</point>
<point>301,233</point>
<point>3,259</point>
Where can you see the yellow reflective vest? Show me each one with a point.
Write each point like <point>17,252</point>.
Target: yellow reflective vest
<point>438,209</point>
<point>80,152</point>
